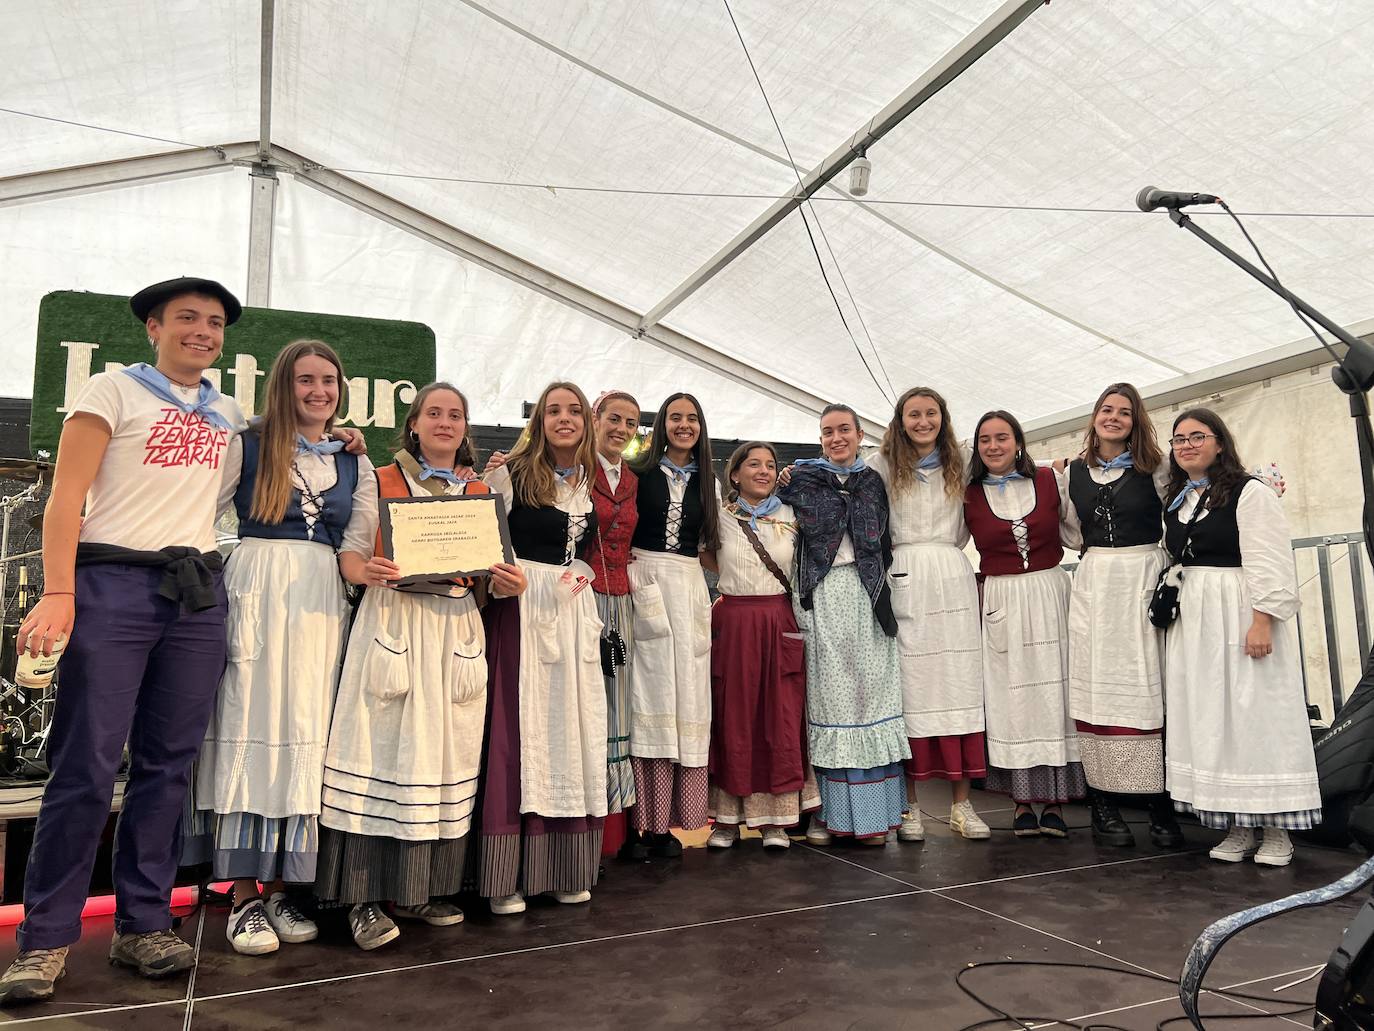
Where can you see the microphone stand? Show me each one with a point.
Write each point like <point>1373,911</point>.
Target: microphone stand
<point>1348,980</point>
<point>1353,374</point>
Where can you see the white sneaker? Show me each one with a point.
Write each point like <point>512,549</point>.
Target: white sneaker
<point>965,821</point>
<point>571,898</point>
<point>818,835</point>
<point>292,926</point>
<point>507,905</point>
<point>1276,850</point>
<point>912,829</point>
<point>776,837</point>
<point>248,930</point>
<point>1238,846</point>
<point>725,835</point>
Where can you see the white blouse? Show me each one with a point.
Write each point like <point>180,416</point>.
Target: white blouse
<point>575,501</point>
<point>924,513</point>
<point>1266,554</point>
<point>742,572</point>
<point>361,535</point>
<point>612,471</point>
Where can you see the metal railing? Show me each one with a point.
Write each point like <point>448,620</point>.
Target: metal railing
<point>1330,560</point>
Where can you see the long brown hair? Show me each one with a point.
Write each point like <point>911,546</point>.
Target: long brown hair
<point>406,440</point>
<point>737,459</point>
<point>1227,473</point>
<point>277,430</point>
<point>1024,464</point>
<point>531,461</point>
<point>701,454</point>
<point>900,452</point>
<point>1143,444</point>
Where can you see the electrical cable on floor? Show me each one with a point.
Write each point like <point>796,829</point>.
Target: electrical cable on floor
<point>892,396</point>
<point>1002,1018</point>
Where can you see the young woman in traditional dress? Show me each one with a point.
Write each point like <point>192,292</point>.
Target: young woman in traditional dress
<point>614,489</point>
<point>1116,692</point>
<point>760,776</point>
<point>670,664</point>
<point>1238,752</point>
<point>257,792</point>
<point>856,733</point>
<point>543,802</point>
<point>1014,510</point>
<point>935,600</point>
<point>406,740</point>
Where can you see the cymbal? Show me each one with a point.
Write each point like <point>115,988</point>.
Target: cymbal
<point>22,469</point>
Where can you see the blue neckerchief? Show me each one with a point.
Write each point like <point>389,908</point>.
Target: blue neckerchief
<point>766,507</point>
<point>1000,482</point>
<point>566,475</point>
<point>931,461</point>
<point>831,467</point>
<point>160,386</point>
<point>1190,485</point>
<point>1121,461</point>
<point>427,471</point>
<point>679,473</point>
<point>319,448</point>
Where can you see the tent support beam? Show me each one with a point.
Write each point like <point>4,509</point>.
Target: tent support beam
<point>1301,354</point>
<point>261,220</point>
<point>954,63</point>
<point>265,54</point>
<point>60,182</point>
<point>478,251</point>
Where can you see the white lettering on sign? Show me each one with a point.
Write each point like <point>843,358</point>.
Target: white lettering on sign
<point>383,394</point>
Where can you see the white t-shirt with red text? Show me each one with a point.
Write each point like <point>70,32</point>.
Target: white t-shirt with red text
<point>160,478</point>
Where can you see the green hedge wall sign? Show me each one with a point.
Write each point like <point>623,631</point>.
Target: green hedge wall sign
<point>80,334</point>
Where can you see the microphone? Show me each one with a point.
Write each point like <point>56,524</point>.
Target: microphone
<point>1150,198</point>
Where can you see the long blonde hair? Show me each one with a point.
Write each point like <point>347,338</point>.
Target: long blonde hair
<point>531,461</point>
<point>276,430</point>
<point>900,452</point>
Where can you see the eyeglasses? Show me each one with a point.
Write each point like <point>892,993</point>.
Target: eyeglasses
<point>1191,440</point>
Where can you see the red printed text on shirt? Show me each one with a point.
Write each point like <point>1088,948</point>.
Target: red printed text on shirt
<point>180,439</point>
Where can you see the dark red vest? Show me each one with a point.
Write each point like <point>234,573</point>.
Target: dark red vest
<point>616,515</point>
<point>997,551</point>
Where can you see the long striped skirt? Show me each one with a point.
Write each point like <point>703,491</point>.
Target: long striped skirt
<point>617,610</point>
<point>520,852</point>
<point>357,868</point>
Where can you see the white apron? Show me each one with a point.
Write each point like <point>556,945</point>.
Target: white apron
<point>1237,740</point>
<point>1115,653</point>
<point>264,749</point>
<point>1025,670</point>
<point>935,600</point>
<point>670,667</point>
<point>406,739</point>
<point>562,698</point>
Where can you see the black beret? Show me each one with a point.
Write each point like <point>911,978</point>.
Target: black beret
<point>150,297</point>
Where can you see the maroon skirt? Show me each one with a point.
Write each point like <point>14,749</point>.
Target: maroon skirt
<point>758,696</point>
<point>950,757</point>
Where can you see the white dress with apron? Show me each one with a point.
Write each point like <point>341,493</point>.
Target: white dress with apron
<point>1239,748</point>
<point>406,740</point>
<point>562,693</point>
<point>935,600</point>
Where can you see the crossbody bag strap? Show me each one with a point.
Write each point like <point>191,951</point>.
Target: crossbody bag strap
<point>1188,530</point>
<point>764,557</point>
<point>407,462</point>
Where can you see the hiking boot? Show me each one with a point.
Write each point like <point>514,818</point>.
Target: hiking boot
<point>153,954</point>
<point>33,975</point>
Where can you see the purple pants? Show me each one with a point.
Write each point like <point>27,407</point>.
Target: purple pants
<point>136,669</point>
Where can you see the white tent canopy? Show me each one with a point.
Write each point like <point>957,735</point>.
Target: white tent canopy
<point>532,178</point>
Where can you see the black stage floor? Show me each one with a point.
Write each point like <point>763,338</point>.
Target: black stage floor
<point>848,937</point>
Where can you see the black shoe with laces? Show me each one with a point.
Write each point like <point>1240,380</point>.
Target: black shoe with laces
<point>636,847</point>
<point>1108,826</point>
<point>1164,829</point>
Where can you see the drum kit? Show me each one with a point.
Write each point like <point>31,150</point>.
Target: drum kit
<point>25,712</point>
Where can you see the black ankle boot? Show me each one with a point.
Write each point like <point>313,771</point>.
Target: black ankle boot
<point>1108,826</point>
<point>636,848</point>
<point>1164,829</point>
